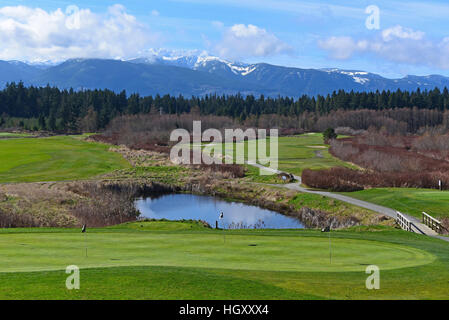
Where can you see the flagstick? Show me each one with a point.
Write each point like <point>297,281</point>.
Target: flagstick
<point>330,247</point>
<point>85,242</point>
<point>223,226</point>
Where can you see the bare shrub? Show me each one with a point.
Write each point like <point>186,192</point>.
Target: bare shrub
<point>344,179</point>
<point>431,145</point>
<point>103,205</point>
<point>386,153</point>
<point>152,132</point>
<point>333,179</point>
<point>260,224</point>
<point>394,121</point>
<point>230,170</point>
<point>23,220</point>
<point>317,218</point>
<point>347,131</point>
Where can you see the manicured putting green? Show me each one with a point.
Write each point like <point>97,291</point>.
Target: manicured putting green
<point>25,252</point>
<point>55,159</point>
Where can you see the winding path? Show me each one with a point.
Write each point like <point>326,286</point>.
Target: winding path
<point>420,228</point>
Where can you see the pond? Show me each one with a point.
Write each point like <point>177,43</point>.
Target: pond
<point>235,215</point>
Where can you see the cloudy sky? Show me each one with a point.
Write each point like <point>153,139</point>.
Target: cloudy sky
<point>411,37</point>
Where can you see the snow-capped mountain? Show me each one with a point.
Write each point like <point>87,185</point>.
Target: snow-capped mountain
<point>197,73</point>
<point>361,77</point>
<point>196,61</point>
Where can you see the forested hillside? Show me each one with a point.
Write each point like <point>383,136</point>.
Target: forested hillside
<point>49,108</point>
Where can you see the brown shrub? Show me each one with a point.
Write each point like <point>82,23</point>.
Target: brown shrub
<point>347,180</point>
<point>232,170</point>
<point>104,206</point>
<point>23,220</point>
<point>386,154</point>
<point>333,179</point>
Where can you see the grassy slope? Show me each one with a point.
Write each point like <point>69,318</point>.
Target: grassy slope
<point>301,152</point>
<point>181,261</point>
<point>54,159</point>
<point>410,201</point>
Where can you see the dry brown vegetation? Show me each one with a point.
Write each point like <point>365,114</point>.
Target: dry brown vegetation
<point>389,160</point>
<point>11,220</point>
<point>37,205</point>
<point>394,121</point>
<point>152,132</point>
<point>102,205</point>
<point>348,180</point>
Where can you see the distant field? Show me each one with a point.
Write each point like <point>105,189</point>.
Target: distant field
<point>306,152</point>
<point>409,201</point>
<point>13,135</point>
<point>54,159</point>
<point>300,152</point>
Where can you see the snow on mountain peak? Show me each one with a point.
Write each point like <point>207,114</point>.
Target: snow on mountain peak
<point>357,76</point>
<point>194,59</point>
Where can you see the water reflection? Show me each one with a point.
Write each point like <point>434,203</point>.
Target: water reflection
<point>187,206</point>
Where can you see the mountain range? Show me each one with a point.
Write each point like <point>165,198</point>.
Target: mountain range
<point>199,75</point>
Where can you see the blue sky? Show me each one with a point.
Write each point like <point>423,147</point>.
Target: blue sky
<point>413,37</point>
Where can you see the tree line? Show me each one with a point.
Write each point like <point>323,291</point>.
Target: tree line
<point>53,109</point>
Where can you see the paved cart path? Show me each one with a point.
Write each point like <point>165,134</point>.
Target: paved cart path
<point>418,226</point>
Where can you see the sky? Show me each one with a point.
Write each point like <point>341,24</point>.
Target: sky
<point>391,38</point>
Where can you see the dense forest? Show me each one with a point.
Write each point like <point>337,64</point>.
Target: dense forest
<point>49,108</point>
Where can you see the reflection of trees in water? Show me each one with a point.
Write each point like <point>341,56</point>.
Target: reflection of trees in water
<point>260,224</point>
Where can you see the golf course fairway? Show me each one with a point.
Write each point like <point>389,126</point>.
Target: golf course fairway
<point>55,159</point>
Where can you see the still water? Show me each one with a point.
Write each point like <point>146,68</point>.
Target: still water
<point>235,215</point>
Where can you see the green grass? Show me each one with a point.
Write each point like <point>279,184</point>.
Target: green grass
<point>165,260</point>
<point>306,151</point>
<point>13,135</point>
<point>297,153</point>
<point>409,201</point>
<point>253,174</point>
<point>55,159</point>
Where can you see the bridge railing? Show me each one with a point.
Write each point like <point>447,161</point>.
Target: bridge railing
<point>403,222</point>
<point>432,223</point>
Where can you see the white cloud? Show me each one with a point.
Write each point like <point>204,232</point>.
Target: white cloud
<point>396,44</point>
<point>400,32</point>
<point>155,13</point>
<point>243,41</point>
<point>342,47</point>
<point>33,34</point>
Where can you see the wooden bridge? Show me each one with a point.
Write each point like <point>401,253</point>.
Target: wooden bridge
<point>412,225</point>
<point>432,223</point>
